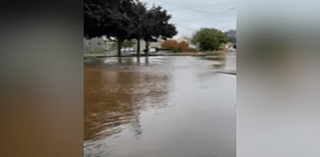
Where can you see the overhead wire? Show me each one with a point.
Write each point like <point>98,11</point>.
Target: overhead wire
<point>196,10</point>
<point>209,5</point>
<point>189,8</point>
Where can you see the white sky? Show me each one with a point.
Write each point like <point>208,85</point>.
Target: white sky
<point>191,15</point>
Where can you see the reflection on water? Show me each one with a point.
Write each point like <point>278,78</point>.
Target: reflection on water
<point>172,106</point>
<point>114,97</point>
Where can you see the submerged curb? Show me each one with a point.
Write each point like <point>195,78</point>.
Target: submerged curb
<point>230,72</point>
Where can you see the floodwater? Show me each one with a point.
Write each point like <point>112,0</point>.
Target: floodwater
<point>173,106</point>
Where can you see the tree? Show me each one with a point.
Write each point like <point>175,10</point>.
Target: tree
<point>92,19</point>
<point>120,26</point>
<point>126,19</point>
<point>209,39</point>
<point>128,43</point>
<point>139,22</point>
<point>108,17</point>
<point>156,26</point>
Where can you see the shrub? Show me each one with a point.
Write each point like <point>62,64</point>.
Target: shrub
<point>174,46</point>
<point>209,39</point>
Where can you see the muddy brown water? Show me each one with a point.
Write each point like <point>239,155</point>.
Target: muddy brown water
<point>172,106</point>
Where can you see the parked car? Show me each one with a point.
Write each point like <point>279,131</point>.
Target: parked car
<point>233,50</point>
<point>152,50</point>
<point>127,50</point>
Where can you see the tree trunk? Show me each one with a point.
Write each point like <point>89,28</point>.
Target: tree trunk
<point>119,49</point>
<point>147,51</point>
<point>138,50</point>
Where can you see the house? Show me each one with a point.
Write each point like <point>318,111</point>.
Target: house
<point>231,33</point>
<point>97,44</point>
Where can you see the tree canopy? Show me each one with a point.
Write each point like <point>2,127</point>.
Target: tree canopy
<point>107,17</point>
<point>210,39</point>
<point>157,25</point>
<point>126,19</point>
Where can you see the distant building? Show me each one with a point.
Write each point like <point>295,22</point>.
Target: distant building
<point>232,36</point>
<point>231,33</point>
<point>187,40</point>
<point>97,43</point>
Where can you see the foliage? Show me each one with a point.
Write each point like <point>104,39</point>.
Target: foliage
<point>231,37</point>
<point>156,26</point>
<point>161,27</point>
<point>174,46</point>
<point>102,16</point>
<point>92,19</point>
<point>108,17</point>
<point>128,43</point>
<point>209,39</point>
<point>126,19</point>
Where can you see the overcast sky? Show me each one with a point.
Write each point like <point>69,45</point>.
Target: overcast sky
<point>191,15</point>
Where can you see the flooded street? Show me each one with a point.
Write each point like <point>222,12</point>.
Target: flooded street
<point>174,106</point>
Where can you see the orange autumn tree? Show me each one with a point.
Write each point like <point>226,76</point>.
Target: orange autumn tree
<point>174,46</point>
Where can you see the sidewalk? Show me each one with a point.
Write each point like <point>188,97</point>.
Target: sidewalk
<point>150,54</point>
